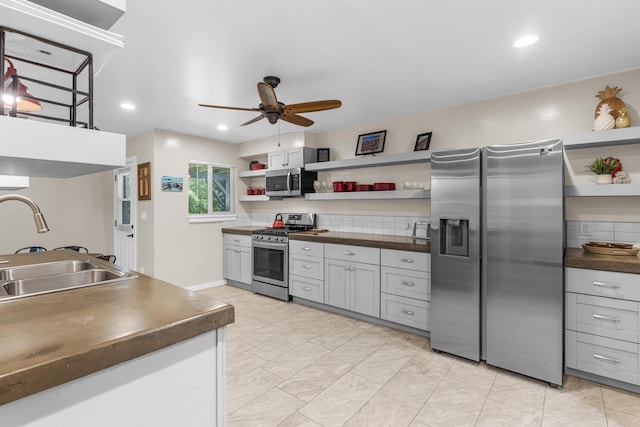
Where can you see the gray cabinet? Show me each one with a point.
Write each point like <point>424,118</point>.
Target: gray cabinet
<point>406,288</point>
<point>237,258</point>
<point>352,278</point>
<point>306,270</point>
<point>292,158</point>
<point>602,322</point>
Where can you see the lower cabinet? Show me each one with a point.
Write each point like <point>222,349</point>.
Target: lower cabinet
<point>406,288</point>
<point>306,270</point>
<point>349,283</point>
<point>237,258</point>
<point>602,323</point>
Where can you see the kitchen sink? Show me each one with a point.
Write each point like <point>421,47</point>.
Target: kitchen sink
<point>40,278</point>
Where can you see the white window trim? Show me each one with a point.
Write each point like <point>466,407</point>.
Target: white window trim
<point>216,217</point>
<point>211,218</point>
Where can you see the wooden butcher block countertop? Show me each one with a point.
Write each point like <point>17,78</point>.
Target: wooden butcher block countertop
<point>578,258</point>
<point>47,340</point>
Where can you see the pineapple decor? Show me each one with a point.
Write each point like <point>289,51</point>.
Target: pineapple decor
<point>608,96</point>
<point>604,119</point>
<point>623,121</point>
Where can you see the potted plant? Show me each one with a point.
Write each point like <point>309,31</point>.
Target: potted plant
<point>604,169</point>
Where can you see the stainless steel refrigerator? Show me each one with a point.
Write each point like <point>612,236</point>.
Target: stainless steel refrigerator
<point>497,283</point>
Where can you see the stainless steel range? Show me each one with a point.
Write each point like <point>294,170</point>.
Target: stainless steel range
<point>270,269</point>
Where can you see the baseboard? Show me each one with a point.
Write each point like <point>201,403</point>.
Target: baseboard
<point>202,286</point>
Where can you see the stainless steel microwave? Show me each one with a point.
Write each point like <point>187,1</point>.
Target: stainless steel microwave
<point>289,182</point>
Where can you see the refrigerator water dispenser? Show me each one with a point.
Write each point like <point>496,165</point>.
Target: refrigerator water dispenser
<point>454,237</point>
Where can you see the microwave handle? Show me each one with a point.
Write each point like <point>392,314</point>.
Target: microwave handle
<point>289,181</point>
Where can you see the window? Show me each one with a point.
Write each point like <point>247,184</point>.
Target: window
<point>123,220</point>
<point>210,190</point>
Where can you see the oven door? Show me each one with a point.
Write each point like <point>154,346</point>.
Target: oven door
<point>270,263</point>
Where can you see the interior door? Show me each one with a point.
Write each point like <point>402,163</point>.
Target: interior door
<point>125,195</point>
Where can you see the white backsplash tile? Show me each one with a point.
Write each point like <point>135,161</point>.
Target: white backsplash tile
<point>602,231</point>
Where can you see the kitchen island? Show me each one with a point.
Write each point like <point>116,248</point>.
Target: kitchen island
<point>134,352</point>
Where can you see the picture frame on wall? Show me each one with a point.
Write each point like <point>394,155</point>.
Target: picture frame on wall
<point>371,143</point>
<point>423,141</point>
<point>144,181</point>
<point>323,154</point>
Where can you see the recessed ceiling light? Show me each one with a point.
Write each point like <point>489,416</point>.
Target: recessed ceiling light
<point>223,127</point>
<point>127,106</point>
<point>526,41</point>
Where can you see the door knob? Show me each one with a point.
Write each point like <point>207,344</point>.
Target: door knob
<point>130,235</point>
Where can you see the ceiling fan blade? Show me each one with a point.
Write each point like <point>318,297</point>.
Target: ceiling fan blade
<point>229,108</point>
<point>268,97</point>
<point>296,119</point>
<point>307,107</point>
<point>260,117</point>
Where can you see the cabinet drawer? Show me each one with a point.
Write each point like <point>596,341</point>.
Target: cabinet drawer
<point>406,311</point>
<point>309,289</point>
<point>420,261</point>
<point>606,317</point>
<point>306,266</point>
<point>236,240</point>
<point>298,247</point>
<point>406,283</point>
<point>603,283</point>
<point>352,253</point>
<point>604,356</point>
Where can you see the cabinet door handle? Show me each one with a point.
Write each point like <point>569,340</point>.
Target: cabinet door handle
<point>408,312</point>
<point>606,285</point>
<point>608,359</point>
<point>347,268</point>
<point>407,260</point>
<point>308,267</point>
<point>348,253</point>
<point>601,317</point>
<point>306,249</point>
<point>410,284</point>
<point>306,288</point>
<point>236,240</point>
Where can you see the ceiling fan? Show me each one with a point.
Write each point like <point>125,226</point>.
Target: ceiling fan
<point>273,110</point>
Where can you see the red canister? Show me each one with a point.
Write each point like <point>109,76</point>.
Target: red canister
<point>350,185</point>
<point>338,186</point>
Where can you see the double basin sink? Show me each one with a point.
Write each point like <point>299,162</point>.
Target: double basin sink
<point>46,277</point>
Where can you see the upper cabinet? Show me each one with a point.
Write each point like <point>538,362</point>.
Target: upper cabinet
<point>291,158</point>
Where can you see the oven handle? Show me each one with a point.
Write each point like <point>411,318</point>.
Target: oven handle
<point>289,181</point>
<point>270,245</point>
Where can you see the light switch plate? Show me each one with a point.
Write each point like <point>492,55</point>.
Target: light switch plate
<point>585,228</point>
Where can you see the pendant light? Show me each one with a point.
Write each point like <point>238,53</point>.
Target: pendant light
<point>25,102</point>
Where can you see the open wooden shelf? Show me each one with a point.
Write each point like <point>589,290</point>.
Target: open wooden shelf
<point>603,138</point>
<point>606,190</point>
<point>371,195</point>
<point>371,161</point>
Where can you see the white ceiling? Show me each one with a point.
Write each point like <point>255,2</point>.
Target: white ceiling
<point>383,59</point>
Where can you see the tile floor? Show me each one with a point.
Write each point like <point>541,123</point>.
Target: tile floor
<point>291,365</point>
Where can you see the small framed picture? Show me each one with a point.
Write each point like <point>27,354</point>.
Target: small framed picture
<point>371,143</point>
<point>323,154</point>
<point>144,181</point>
<point>423,141</point>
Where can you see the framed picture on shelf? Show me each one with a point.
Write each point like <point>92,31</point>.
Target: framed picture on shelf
<point>371,143</point>
<point>323,154</point>
<point>423,141</point>
<point>144,181</point>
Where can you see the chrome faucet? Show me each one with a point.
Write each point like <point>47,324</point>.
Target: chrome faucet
<point>41,224</point>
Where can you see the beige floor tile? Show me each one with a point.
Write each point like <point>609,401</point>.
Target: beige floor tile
<point>339,333</point>
<point>362,346</point>
<point>278,345</point>
<point>417,423</point>
<point>579,399</point>
<point>269,409</point>
<point>241,364</point>
<point>617,418</point>
<point>315,378</point>
<point>509,414</point>
<point>382,411</point>
<point>345,397</point>
<point>385,362</point>
<point>235,347</point>
<point>412,386</point>
<point>247,387</point>
<point>621,401</point>
<point>295,360</point>
<point>298,420</point>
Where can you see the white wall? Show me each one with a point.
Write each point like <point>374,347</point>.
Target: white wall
<point>170,248</point>
<point>77,211</point>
